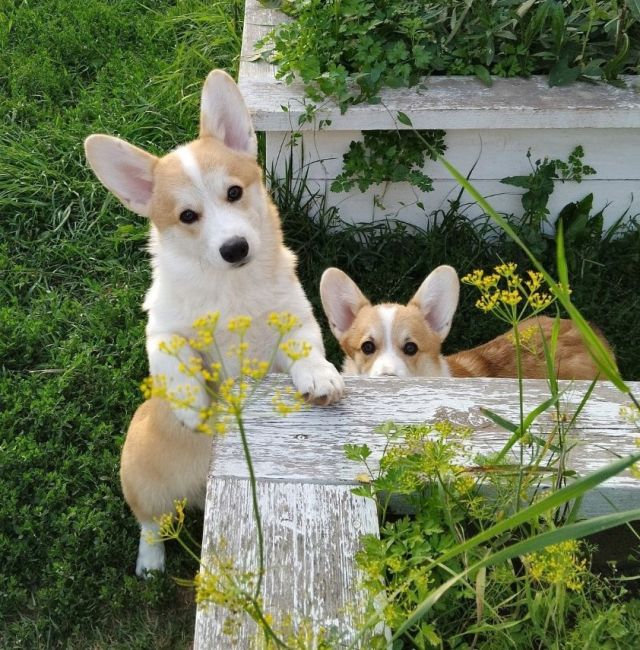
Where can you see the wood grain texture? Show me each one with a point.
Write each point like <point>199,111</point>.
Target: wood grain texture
<point>308,446</point>
<point>313,522</point>
<point>311,532</point>
<point>448,103</point>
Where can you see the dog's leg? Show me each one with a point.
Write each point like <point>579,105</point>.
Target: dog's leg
<point>314,376</point>
<point>168,366</point>
<point>150,551</point>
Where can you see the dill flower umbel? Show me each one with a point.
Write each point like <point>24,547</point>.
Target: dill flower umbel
<point>558,564</point>
<point>517,300</point>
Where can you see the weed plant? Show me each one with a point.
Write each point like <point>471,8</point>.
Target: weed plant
<point>347,50</point>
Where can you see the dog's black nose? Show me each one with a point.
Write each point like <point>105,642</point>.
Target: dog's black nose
<point>234,250</point>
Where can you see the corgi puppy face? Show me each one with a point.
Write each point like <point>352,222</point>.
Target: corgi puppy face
<point>391,339</point>
<point>205,199</point>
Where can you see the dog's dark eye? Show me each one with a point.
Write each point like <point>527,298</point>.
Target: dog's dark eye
<point>410,348</point>
<point>234,193</point>
<point>189,216</point>
<point>368,347</point>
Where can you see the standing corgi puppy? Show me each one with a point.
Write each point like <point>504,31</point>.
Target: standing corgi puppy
<point>216,246</point>
<point>405,340</point>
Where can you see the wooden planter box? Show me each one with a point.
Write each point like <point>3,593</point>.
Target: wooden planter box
<point>491,127</point>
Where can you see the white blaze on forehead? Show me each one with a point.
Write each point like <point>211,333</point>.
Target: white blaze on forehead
<point>387,316</point>
<point>191,167</point>
<point>388,362</point>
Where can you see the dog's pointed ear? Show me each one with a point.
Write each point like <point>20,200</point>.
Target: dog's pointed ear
<point>224,115</point>
<point>123,169</point>
<point>341,300</point>
<point>437,299</point>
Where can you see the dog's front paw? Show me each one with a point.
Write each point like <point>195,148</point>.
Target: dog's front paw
<point>318,381</point>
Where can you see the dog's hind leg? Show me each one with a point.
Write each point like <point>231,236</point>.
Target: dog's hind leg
<point>162,461</point>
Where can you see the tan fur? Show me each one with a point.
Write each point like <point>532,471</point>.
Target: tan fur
<point>408,325</point>
<point>169,175</point>
<point>497,357</point>
<point>162,458</point>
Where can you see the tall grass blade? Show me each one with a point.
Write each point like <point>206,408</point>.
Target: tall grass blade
<point>531,545</point>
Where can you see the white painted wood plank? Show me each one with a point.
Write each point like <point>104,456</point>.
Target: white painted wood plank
<point>309,446</point>
<point>449,103</point>
<point>311,532</point>
<point>400,200</point>
<point>484,154</point>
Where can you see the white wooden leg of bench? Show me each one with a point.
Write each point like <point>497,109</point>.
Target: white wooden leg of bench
<point>311,534</point>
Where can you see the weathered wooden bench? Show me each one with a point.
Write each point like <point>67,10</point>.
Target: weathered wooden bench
<point>312,521</point>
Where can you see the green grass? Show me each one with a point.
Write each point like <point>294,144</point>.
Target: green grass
<point>73,271</point>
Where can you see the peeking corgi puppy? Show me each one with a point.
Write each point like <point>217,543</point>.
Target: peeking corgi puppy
<point>216,246</point>
<point>405,340</point>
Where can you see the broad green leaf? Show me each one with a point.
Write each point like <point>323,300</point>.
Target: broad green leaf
<point>634,8</point>
<point>403,118</point>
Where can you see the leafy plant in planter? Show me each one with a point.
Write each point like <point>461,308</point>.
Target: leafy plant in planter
<point>349,49</point>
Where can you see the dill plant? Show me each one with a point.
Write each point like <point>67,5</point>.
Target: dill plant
<point>531,599</point>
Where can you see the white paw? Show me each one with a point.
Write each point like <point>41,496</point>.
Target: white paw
<point>150,555</point>
<point>318,381</point>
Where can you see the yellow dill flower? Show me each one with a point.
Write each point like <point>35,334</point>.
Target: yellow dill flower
<point>205,428</point>
<point>488,302</point>
<point>238,350</point>
<point>506,270</point>
<point>212,373</point>
<point>287,401</point>
<point>489,281</point>
<point>239,324</point>
<point>296,350</point>
<point>207,322</point>
<point>631,413</point>
<point>182,398</point>
<point>534,282</point>
<point>193,368</point>
<point>511,298</point>
<point>561,289</point>
<point>254,369</point>
<point>170,524</point>
<point>558,564</point>
<point>475,278</point>
<point>173,345</point>
<point>528,339</point>
<point>283,322</point>
<point>540,301</point>
<point>154,386</point>
<point>204,339</point>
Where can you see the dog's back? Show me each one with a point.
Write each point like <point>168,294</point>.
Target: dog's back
<point>497,358</point>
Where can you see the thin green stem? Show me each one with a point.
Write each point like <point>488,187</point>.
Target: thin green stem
<point>254,501</point>
<point>516,334</point>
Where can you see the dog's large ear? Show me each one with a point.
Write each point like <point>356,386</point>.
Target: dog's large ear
<point>437,299</point>
<point>341,300</point>
<point>123,169</point>
<point>224,115</point>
